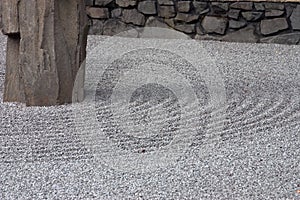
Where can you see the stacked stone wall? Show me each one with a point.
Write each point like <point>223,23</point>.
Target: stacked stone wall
<point>235,21</point>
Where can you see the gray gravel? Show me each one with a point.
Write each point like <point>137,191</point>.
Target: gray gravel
<point>235,140</point>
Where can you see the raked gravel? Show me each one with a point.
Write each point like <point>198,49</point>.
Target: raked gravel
<point>240,140</point>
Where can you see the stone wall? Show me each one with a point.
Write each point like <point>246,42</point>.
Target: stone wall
<point>252,21</point>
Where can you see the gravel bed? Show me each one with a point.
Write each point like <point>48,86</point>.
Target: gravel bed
<point>163,119</point>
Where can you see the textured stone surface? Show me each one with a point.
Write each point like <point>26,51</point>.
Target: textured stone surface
<point>46,63</point>
<point>242,5</point>
<point>102,2</point>
<point>289,8</point>
<point>239,14</point>
<point>147,7</point>
<point>165,2</point>
<point>98,13</point>
<point>237,24</point>
<point>207,37</point>
<point>133,16</point>
<point>96,27</point>
<point>259,6</point>
<point>242,35</point>
<point>116,13</point>
<point>252,16</point>
<point>184,6</point>
<point>214,24</point>
<point>186,17</point>
<point>270,26</point>
<point>289,38</point>
<point>115,26</point>
<point>186,28</point>
<point>274,6</point>
<point>234,13</point>
<point>274,13</point>
<point>91,2</point>
<point>170,22</point>
<point>154,22</point>
<point>166,11</point>
<point>199,30</point>
<point>219,7</point>
<point>200,7</point>
<point>295,18</point>
<point>126,3</point>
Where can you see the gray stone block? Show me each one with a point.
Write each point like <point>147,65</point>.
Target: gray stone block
<point>220,6</point>
<point>243,35</point>
<point>252,16</point>
<point>295,18</point>
<point>270,26</point>
<point>147,7</point>
<point>200,7</point>
<point>289,9</point>
<point>186,28</point>
<point>274,13</point>
<point>97,13</point>
<point>259,6</point>
<point>166,2</point>
<point>207,37</point>
<point>214,24</point>
<point>125,3</point>
<point>184,6</point>
<point>234,13</point>
<point>154,22</point>
<point>170,22</point>
<point>89,2</point>
<point>116,13</point>
<point>274,6</point>
<point>186,17</point>
<point>102,2</point>
<point>97,27</point>
<point>114,26</point>
<point>166,11</point>
<point>133,16</point>
<point>237,24</point>
<point>242,5</point>
<point>289,38</point>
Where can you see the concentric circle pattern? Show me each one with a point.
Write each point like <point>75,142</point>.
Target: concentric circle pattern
<point>150,120</point>
<point>148,100</point>
<point>153,109</point>
<point>161,119</point>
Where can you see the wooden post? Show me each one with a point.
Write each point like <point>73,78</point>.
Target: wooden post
<point>45,49</point>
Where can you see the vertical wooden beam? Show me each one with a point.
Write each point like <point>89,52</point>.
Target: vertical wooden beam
<point>46,47</point>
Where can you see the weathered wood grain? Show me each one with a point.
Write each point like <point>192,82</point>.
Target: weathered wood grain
<point>9,10</point>
<point>46,47</point>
